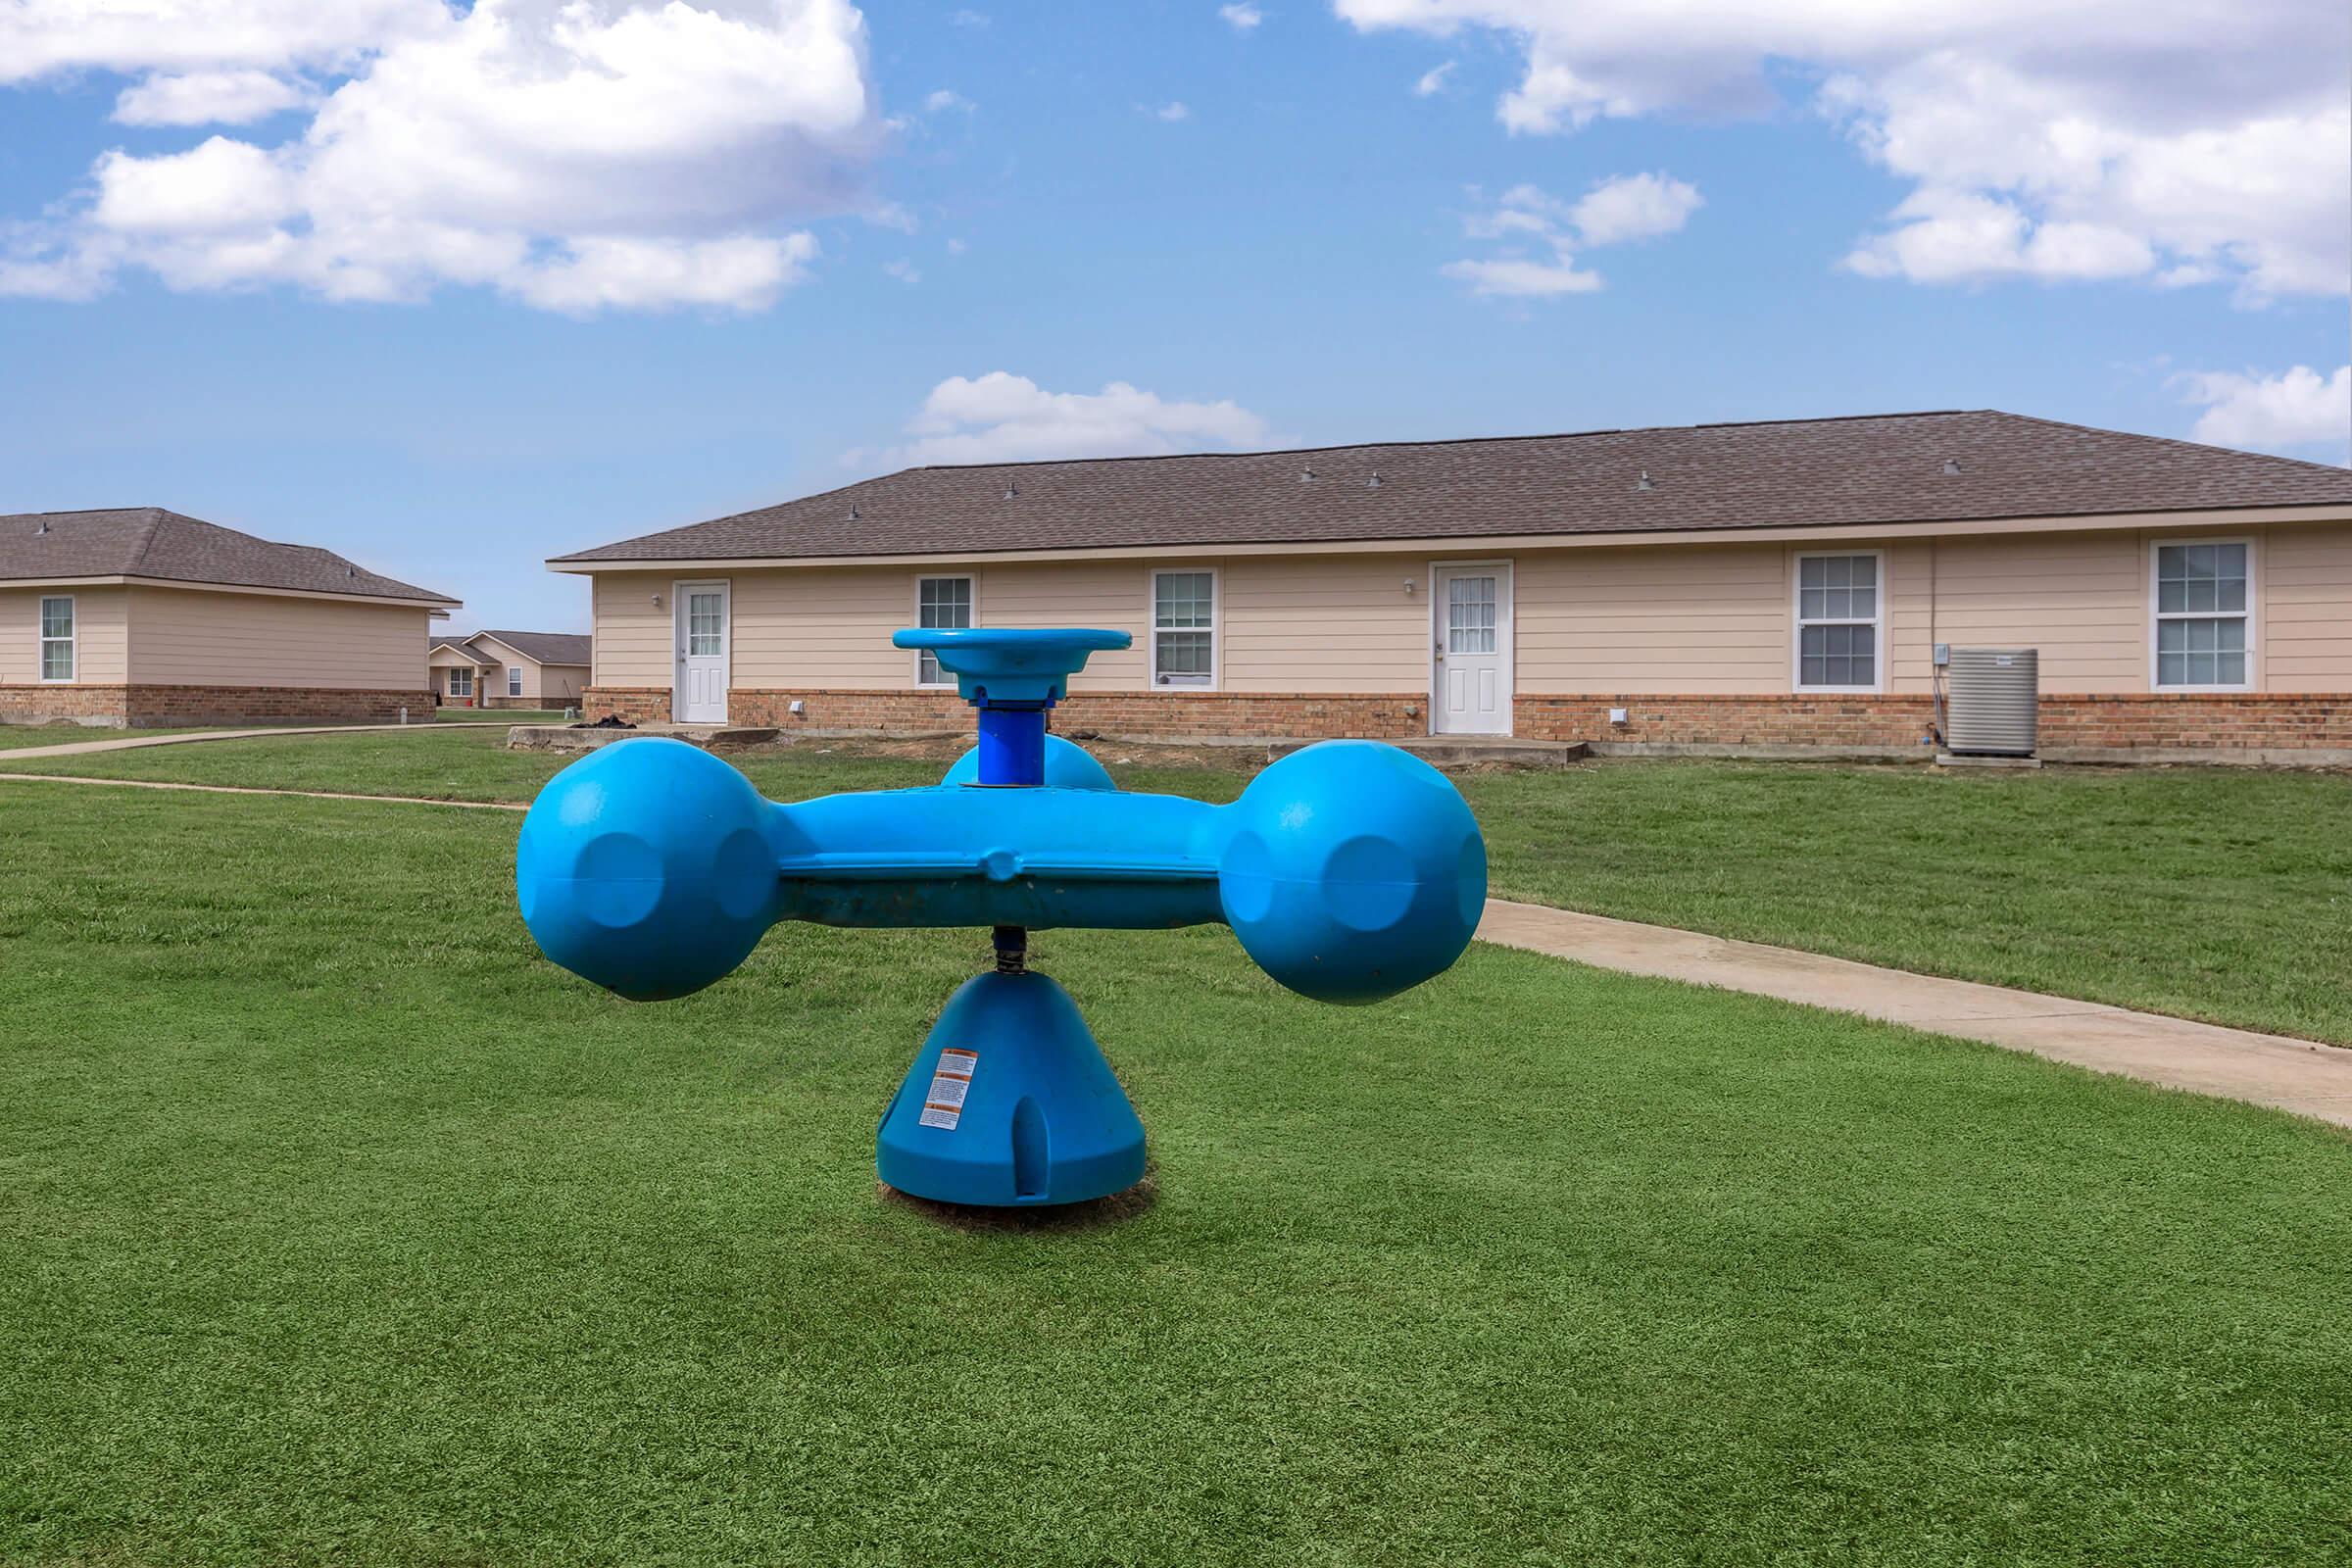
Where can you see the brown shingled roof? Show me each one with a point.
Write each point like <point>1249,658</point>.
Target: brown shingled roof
<point>150,542</point>
<point>546,646</point>
<point>1878,469</point>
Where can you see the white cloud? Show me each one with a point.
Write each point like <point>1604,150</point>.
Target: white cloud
<point>1243,17</point>
<point>209,98</point>
<point>47,37</point>
<point>1170,112</point>
<point>2301,408</point>
<point>1540,233</point>
<point>1433,81</point>
<point>1000,418</point>
<point>940,102</point>
<point>619,154</point>
<point>221,185</point>
<point>967,18</point>
<point>2178,142</point>
<point>904,271</point>
<point>1633,207</point>
<point>743,273</point>
<point>1521,277</point>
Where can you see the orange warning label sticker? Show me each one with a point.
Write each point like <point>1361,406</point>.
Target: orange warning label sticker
<point>951,1082</point>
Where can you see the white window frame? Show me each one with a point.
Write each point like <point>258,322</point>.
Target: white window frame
<point>514,680</point>
<point>2157,617</point>
<point>970,580</point>
<point>1215,629</point>
<point>1797,622</point>
<point>71,640</point>
<point>454,671</point>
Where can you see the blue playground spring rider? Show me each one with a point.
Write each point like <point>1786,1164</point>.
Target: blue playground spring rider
<point>1349,870</point>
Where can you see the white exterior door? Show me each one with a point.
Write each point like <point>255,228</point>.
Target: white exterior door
<point>700,611</point>
<point>1472,667</point>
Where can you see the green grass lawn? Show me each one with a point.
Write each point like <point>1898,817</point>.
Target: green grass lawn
<point>339,1227</point>
<point>2211,893</point>
<point>499,715</point>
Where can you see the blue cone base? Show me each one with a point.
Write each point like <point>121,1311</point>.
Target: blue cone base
<point>1011,1104</point>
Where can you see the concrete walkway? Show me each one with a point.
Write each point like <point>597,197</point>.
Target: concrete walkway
<point>246,789</point>
<point>131,743</point>
<point>2287,1074</point>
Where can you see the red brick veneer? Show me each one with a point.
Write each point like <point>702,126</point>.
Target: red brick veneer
<point>2232,720</point>
<point>1175,713</point>
<point>137,707</point>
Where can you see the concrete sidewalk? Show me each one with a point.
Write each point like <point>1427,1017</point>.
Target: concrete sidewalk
<point>2287,1074</point>
<point>130,743</point>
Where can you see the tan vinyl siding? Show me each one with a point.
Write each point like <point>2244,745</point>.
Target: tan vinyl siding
<point>552,685</point>
<point>191,638</point>
<point>2081,599</point>
<point>828,627</point>
<point>1308,624</point>
<point>1713,622</point>
<point>633,646</point>
<point>101,643</point>
<point>1114,595</point>
<point>2306,592</point>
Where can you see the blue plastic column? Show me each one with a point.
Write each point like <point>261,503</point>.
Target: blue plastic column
<point>1012,745</point>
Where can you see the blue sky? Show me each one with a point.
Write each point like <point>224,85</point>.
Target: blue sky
<point>1309,249</point>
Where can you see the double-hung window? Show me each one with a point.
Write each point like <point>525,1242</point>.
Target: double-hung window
<point>2201,615</point>
<point>1839,615</point>
<point>941,604</point>
<point>461,683</point>
<point>1184,628</point>
<point>57,638</point>
<point>514,680</point>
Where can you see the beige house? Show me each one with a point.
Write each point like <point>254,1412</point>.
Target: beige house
<point>509,669</point>
<point>1784,583</point>
<point>144,616</point>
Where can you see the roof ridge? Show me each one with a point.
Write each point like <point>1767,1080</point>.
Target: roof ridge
<point>2182,441</point>
<point>148,531</point>
<point>1434,441</point>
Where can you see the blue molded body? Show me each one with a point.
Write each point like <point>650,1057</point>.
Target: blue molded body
<point>1349,871</point>
<point>1042,1120</point>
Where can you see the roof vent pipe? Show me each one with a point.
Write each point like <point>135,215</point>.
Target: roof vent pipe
<point>1643,483</point>
<point>852,513</point>
<point>1011,490</point>
<point>1373,483</point>
<point>1951,465</point>
<point>1306,477</point>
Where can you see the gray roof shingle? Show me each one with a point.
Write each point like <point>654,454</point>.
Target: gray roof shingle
<point>1876,469</point>
<point>547,647</point>
<point>151,542</point>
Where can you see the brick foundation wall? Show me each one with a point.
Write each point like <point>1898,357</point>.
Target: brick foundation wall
<point>1674,720</point>
<point>1191,714</point>
<point>102,705</point>
<point>1895,722</point>
<point>157,707</point>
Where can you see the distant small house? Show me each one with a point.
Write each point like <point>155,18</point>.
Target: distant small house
<point>144,616</point>
<point>509,669</point>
